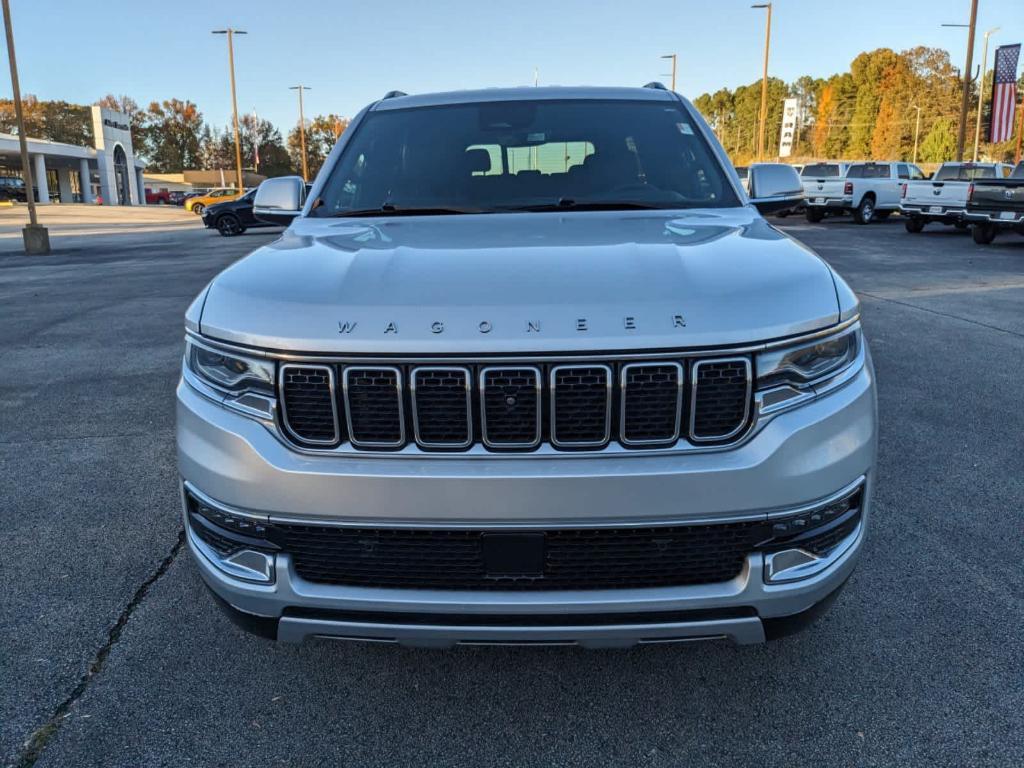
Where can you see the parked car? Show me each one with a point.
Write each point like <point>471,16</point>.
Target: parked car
<point>157,197</point>
<point>815,177</point>
<point>13,188</point>
<point>235,216</point>
<point>223,194</point>
<point>996,205</point>
<point>943,198</point>
<point>177,197</point>
<point>599,402</point>
<point>869,191</point>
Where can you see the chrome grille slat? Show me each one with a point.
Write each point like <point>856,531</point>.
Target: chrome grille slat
<point>374,407</point>
<point>442,407</point>
<point>309,409</point>
<point>581,405</point>
<point>651,397</point>
<point>510,407</point>
<point>720,392</point>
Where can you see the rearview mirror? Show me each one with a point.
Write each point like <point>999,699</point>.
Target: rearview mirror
<point>774,187</point>
<point>279,200</point>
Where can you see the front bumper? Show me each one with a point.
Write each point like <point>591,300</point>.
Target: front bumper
<point>799,457</point>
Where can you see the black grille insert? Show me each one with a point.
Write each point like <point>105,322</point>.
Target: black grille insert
<point>441,407</point>
<point>652,398</point>
<point>510,401</point>
<point>373,406</point>
<point>573,558</point>
<point>581,399</point>
<point>721,398</point>
<point>308,406</point>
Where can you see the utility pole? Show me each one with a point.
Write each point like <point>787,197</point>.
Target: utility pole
<point>234,101</point>
<point>673,57</point>
<point>961,134</point>
<point>917,130</point>
<point>302,130</point>
<point>1020,135</point>
<point>36,237</point>
<point>981,92</point>
<point>763,120</point>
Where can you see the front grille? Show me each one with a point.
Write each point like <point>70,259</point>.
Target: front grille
<point>309,407</point>
<point>618,558</point>
<point>373,407</point>
<point>581,400</point>
<point>517,407</point>
<point>721,398</point>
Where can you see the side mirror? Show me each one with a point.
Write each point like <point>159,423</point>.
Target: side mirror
<point>774,187</point>
<point>279,200</point>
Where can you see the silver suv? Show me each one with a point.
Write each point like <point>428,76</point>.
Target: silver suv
<point>527,366</point>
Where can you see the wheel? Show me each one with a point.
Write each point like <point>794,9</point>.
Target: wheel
<point>813,215</point>
<point>983,234</point>
<point>229,225</point>
<point>914,225</point>
<point>865,212</point>
<point>198,209</point>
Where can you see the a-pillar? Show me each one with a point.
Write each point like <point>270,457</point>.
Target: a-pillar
<point>39,178</point>
<point>85,180</point>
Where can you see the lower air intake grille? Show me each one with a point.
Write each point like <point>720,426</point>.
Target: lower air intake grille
<point>309,406</point>
<point>373,404</point>
<point>620,558</point>
<point>721,398</point>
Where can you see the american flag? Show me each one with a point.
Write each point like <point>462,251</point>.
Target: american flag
<point>1004,93</point>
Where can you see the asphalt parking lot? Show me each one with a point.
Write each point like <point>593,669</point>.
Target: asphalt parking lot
<point>112,654</point>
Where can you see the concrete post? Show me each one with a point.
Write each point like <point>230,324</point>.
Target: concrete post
<point>64,185</point>
<point>39,177</point>
<point>141,183</point>
<point>85,180</point>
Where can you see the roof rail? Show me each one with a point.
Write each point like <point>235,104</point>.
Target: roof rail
<point>394,94</point>
<point>656,85</point>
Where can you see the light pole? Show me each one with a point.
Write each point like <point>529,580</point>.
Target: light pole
<point>673,57</point>
<point>36,238</point>
<point>234,100</point>
<point>763,119</point>
<point>302,129</point>
<point>961,133</point>
<point>917,130</point>
<point>981,92</point>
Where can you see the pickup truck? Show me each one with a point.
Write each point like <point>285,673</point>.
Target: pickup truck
<point>527,366</point>
<point>821,181</point>
<point>996,205</point>
<point>870,191</point>
<point>943,198</point>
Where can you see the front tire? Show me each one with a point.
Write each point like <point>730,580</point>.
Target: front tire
<point>865,212</point>
<point>983,234</point>
<point>813,215</point>
<point>229,225</point>
<point>914,225</point>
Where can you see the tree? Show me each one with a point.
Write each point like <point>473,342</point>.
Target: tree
<point>868,70</point>
<point>274,158</point>
<point>174,129</point>
<point>322,134</point>
<point>51,120</point>
<point>939,144</point>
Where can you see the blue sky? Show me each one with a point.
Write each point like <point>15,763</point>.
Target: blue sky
<point>351,53</point>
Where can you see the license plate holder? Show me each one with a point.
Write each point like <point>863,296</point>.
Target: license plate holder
<point>513,554</point>
<point>935,209</point>
<point>819,201</point>
<point>1007,215</point>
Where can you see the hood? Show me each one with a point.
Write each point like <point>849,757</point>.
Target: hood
<point>522,282</point>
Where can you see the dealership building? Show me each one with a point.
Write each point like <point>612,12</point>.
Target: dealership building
<point>108,170</point>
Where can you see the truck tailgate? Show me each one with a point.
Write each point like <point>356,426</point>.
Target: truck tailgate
<point>823,188</point>
<point>947,194</point>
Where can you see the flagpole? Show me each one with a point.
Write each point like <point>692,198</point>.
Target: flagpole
<point>255,141</point>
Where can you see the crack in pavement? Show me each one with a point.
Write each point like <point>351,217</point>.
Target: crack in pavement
<point>41,736</point>
<point>879,297</point>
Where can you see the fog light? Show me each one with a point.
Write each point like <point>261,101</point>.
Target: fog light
<point>233,543</point>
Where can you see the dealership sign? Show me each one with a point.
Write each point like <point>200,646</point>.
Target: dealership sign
<point>790,117</point>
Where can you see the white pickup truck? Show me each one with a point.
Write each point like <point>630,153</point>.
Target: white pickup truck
<point>869,191</point>
<point>943,198</point>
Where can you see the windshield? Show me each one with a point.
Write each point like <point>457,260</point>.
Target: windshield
<point>965,172</point>
<point>822,171</point>
<point>523,155</point>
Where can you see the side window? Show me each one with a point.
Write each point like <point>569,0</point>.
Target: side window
<point>902,171</point>
<point>916,174</point>
<point>855,172</point>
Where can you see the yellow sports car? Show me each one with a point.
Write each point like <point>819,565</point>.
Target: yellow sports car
<point>198,204</point>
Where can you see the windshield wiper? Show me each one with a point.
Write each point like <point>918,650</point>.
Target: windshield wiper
<point>568,204</point>
<point>393,210</point>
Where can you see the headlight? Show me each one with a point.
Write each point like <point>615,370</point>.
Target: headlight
<point>230,373</point>
<point>809,363</point>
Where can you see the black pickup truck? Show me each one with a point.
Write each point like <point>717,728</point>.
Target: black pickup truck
<point>996,205</point>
